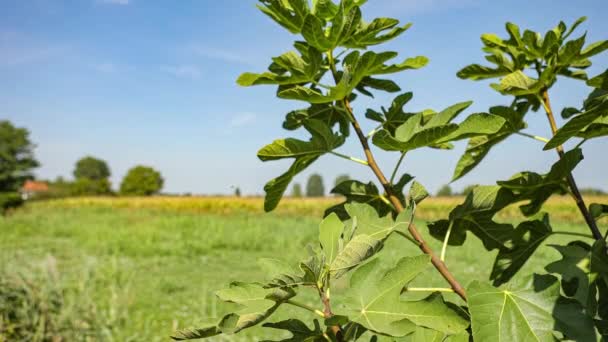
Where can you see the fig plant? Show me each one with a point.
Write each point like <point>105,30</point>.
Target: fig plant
<point>329,68</point>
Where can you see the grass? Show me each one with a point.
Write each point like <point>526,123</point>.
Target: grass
<point>147,267</point>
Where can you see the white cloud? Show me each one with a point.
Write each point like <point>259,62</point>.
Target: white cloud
<point>114,2</point>
<point>185,71</point>
<point>242,119</point>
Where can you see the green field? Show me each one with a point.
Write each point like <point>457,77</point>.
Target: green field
<point>141,272</point>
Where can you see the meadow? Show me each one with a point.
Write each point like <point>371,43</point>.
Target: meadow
<point>133,269</point>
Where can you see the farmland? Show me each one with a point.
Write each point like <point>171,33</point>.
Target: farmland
<point>140,267</point>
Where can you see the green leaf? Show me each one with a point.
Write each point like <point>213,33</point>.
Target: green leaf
<point>600,81</point>
<point>475,125</point>
<point>323,140</point>
<point>527,237</point>
<point>598,210</point>
<point>257,305</point>
<point>571,51</point>
<point>575,126</point>
<point>518,83</point>
<point>435,130</point>
<point>525,311</point>
<point>356,191</point>
<point>574,26</point>
<point>304,152</point>
<point>330,231</point>
<point>373,300</point>
<point>574,270</point>
<point>288,68</point>
<point>289,14</point>
<point>478,147</point>
<point>314,33</point>
<point>366,235</point>
<point>299,330</point>
<point>476,215</point>
<point>324,9</point>
<point>418,193</point>
<point>379,31</point>
<point>477,72</point>
<point>324,112</point>
<point>538,188</point>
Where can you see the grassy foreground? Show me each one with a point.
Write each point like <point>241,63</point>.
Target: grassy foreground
<point>142,267</point>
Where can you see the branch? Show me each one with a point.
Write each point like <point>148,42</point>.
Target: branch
<point>439,265</point>
<point>576,194</point>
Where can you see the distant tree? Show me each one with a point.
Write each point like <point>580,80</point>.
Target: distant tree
<point>467,189</point>
<point>90,187</point>
<point>444,191</point>
<point>341,178</point>
<point>592,191</point>
<point>91,168</point>
<point>296,191</point>
<point>237,192</point>
<point>141,181</point>
<point>16,157</point>
<point>314,186</point>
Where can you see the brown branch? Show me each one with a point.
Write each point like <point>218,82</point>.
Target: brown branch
<point>328,314</point>
<point>439,265</point>
<point>576,194</point>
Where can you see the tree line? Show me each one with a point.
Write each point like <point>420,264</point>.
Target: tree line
<point>91,175</point>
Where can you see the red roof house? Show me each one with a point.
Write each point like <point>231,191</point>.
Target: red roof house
<point>32,188</point>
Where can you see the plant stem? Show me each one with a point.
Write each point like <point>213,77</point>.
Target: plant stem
<point>306,307</point>
<point>444,248</point>
<point>409,238</point>
<point>580,203</point>
<point>439,265</point>
<point>327,313</point>
<point>559,232</point>
<point>373,131</point>
<point>397,167</point>
<point>535,137</point>
<point>356,160</point>
<point>427,289</point>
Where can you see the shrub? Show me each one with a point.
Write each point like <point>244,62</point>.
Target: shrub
<point>9,200</point>
<point>90,187</point>
<point>314,186</point>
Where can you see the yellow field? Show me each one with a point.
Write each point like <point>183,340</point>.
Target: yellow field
<point>561,208</point>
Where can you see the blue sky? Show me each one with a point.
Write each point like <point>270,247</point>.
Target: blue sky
<point>153,82</point>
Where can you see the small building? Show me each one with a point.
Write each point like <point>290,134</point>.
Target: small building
<point>31,189</point>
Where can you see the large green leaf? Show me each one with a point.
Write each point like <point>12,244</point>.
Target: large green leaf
<point>257,304</point>
<point>365,235</point>
<point>304,153</point>
<point>434,129</point>
<point>527,237</point>
<point>300,332</point>
<point>476,215</point>
<point>530,310</point>
<point>584,273</point>
<point>373,300</point>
